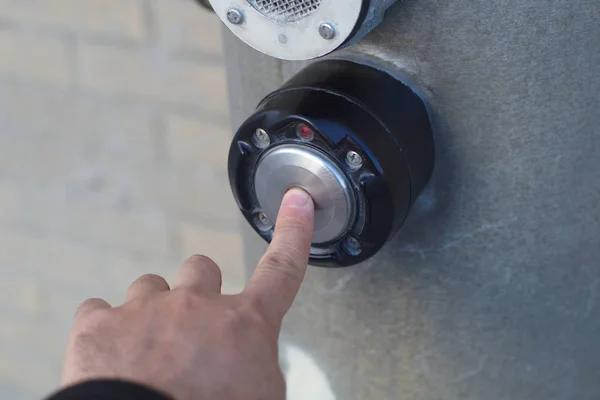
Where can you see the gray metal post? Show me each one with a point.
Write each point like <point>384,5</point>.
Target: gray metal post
<point>490,291</point>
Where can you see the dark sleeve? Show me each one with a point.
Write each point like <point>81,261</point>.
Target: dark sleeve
<point>108,390</point>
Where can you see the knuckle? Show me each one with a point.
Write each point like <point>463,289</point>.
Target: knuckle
<point>199,259</point>
<point>292,224</point>
<point>93,321</point>
<point>281,266</point>
<point>89,303</point>
<point>151,278</point>
<point>205,264</point>
<point>252,309</point>
<point>187,300</point>
<point>285,275</point>
<point>246,317</point>
<point>281,261</point>
<point>89,306</point>
<point>233,318</point>
<point>213,270</point>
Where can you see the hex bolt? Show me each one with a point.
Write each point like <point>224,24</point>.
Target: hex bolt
<point>235,16</point>
<point>261,139</point>
<point>352,246</point>
<point>327,30</point>
<point>354,160</point>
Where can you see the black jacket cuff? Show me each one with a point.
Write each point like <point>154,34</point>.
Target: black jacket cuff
<point>108,390</point>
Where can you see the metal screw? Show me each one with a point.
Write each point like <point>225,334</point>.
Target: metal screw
<point>327,30</point>
<point>261,139</point>
<point>354,160</point>
<point>263,221</point>
<point>352,246</point>
<point>262,217</point>
<point>235,16</point>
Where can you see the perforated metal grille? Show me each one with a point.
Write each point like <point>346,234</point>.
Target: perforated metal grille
<point>285,10</point>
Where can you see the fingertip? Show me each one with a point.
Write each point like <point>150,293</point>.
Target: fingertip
<point>297,198</point>
<point>297,211</point>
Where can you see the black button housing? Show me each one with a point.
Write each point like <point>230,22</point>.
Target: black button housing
<point>350,107</point>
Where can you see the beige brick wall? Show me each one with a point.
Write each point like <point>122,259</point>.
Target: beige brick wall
<point>112,70</point>
<point>180,28</point>
<point>113,17</point>
<point>112,164</point>
<point>27,55</point>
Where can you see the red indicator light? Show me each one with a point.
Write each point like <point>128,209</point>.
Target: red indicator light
<point>305,132</point>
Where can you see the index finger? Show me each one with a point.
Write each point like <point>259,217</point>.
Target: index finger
<point>280,272</point>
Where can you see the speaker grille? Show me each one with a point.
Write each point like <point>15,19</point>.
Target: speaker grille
<point>285,10</point>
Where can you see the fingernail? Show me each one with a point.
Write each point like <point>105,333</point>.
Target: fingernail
<point>295,198</point>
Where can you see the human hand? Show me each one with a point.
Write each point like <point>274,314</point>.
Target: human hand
<point>191,342</point>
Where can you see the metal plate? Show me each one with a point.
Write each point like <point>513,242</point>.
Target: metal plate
<point>290,31</point>
<point>287,166</point>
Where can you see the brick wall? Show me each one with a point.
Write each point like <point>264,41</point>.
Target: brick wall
<point>112,164</point>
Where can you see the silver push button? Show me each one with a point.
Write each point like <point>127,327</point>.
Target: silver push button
<point>286,166</point>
